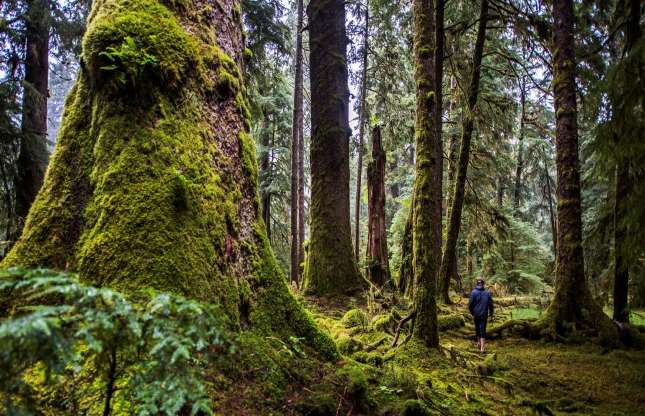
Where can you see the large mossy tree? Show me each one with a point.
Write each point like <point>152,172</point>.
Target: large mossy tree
<point>153,183</point>
<point>330,266</point>
<point>426,202</point>
<point>572,307</point>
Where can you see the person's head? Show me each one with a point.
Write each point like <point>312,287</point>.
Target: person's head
<point>480,282</point>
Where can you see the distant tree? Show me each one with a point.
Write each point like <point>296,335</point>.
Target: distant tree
<point>330,265</point>
<point>297,188</point>
<point>448,264</point>
<point>378,268</point>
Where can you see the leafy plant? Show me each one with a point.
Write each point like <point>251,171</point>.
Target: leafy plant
<point>145,358</point>
<point>127,61</point>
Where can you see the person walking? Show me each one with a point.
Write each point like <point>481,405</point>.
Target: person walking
<point>480,305</point>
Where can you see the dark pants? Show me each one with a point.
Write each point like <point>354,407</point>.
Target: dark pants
<point>480,326</point>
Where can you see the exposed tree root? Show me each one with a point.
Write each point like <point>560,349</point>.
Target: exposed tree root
<point>400,326</point>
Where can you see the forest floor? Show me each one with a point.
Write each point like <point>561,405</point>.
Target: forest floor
<point>514,376</point>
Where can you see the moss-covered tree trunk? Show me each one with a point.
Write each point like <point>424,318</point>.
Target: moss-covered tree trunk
<point>330,266</point>
<point>378,270</point>
<point>153,183</point>
<point>572,306</point>
<point>624,187</point>
<point>33,157</point>
<point>297,188</point>
<point>426,224</point>
<point>449,261</point>
<point>362,120</point>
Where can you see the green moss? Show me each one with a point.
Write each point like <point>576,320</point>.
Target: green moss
<point>348,345</point>
<point>387,322</point>
<point>138,43</point>
<point>354,318</point>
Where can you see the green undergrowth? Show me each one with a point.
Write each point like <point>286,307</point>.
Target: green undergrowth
<point>514,377</point>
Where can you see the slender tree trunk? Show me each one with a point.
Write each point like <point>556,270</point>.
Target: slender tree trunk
<point>297,188</point>
<point>572,305</point>
<point>330,264</point>
<point>154,180</point>
<point>377,255</point>
<point>448,265</point>
<point>624,187</point>
<point>426,224</point>
<point>452,146</point>
<point>362,121</point>
<point>33,157</point>
<point>500,191</point>
<point>549,198</point>
<point>517,192</point>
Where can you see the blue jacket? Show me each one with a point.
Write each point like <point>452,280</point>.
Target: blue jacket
<point>480,303</point>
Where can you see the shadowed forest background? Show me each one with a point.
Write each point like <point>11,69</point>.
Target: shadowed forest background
<point>274,207</point>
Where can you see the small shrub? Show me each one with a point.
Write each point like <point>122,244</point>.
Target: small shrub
<point>148,357</point>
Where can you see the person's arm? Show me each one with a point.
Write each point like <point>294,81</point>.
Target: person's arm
<point>471,302</point>
<point>491,308</point>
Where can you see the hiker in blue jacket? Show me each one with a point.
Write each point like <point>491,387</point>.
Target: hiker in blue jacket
<point>480,304</point>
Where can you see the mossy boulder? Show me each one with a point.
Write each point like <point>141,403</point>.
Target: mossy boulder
<point>448,322</point>
<point>415,408</point>
<point>386,322</point>
<point>354,318</point>
<point>348,345</point>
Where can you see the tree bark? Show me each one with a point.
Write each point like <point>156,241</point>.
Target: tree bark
<point>378,270</point>
<point>362,120</point>
<point>624,186</point>
<point>266,173</point>
<point>154,181</point>
<point>426,224</point>
<point>572,306</point>
<point>34,156</point>
<point>448,264</point>
<point>517,192</point>
<point>330,264</point>
<point>297,188</point>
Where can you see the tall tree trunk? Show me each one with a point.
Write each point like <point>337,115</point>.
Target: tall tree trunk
<point>362,120</point>
<point>426,224</point>
<point>297,188</point>
<point>572,305</point>
<point>623,189</point>
<point>378,271</point>
<point>330,264</point>
<point>448,265</point>
<point>153,184</point>
<point>438,124</point>
<point>33,157</point>
<point>452,145</point>
<point>517,191</point>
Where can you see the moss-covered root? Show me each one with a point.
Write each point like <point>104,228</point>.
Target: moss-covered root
<point>153,184</point>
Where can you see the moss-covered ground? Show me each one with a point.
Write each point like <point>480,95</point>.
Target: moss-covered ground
<point>514,377</point>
